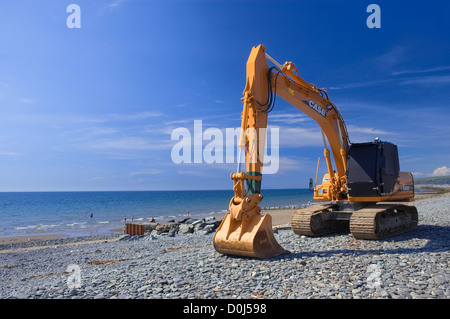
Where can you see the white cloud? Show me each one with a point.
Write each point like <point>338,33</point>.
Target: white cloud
<point>365,130</point>
<point>299,136</point>
<point>287,118</point>
<point>114,117</point>
<point>427,80</point>
<point>150,171</point>
<point>441,171</point>
<point>10,154</point>
<point>433,69</point>
<point>393,57</point>
<point>196,173</point>
<point>27,100</point>
<point>361,84</point>
<point>115,4</point>
<point>288,165</point>
<point>132,144</point>
<point>414,80</point>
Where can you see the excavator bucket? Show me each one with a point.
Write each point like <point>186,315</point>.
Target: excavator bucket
<point>250,237</point>
<point>245,231</point>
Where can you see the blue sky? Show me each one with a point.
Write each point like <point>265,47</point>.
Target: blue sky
<point>93,108</point>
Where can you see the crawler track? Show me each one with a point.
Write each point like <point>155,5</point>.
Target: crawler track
<point>314,221</point>
<point>382,221</point>
<point>376,221</point>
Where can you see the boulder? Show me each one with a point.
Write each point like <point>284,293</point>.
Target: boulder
<point>198,221</point>
<point>124,237</point>
<point>149,227</point>
<point>165,227</point>
<point>209,228</point>
<point>173,230</point>
<point>199,226</point>
<point>186,229</point>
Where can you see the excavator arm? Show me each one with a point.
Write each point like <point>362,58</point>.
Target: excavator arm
<point>245,231</point>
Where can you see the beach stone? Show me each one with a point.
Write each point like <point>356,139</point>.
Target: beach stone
<point>124,237</point>
<point>209,228</point>
<point>213,220</point>
<point>73,292</point>
<point>199,226</point>
<point>143,288</point>
<point>156,233</point>
<point>173,230</point>
<point>164,227</point>
<point>198,221</point>
<point>21,296</point>
<point>149,227</point>
<point>186,229</point>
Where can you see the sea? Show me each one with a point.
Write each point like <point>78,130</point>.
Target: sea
<point>100,212</point>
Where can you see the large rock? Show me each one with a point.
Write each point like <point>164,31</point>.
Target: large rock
<point>186,226</point>
<point>199,226</point>
<point>165,227</point>
<point>186,229</point>
<point>124,237</point>
<point>209,228</point>
<point>213,221</point>
<point>149,227</point>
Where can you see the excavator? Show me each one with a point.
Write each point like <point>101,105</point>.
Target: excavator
<point>365,192</point>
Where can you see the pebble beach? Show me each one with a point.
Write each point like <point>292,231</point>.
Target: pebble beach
<point>414,265</point>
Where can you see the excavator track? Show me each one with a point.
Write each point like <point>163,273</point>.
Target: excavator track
<point>375,221</point>
<point>382,221</point>
<point>315,221</point>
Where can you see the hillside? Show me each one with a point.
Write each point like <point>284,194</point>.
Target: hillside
<point>437,180</point>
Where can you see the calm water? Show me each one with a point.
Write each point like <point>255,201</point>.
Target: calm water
<point>85,213</point>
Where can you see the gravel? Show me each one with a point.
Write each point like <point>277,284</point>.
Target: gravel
<point>413,265</point>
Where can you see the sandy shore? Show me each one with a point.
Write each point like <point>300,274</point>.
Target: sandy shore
<point>29,238</point>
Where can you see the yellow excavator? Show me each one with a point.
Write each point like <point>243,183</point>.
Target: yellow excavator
<point>363,193</point>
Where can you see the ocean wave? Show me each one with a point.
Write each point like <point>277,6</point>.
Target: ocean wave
<point>76,224</point>
<point>38,226</point>
<point>25,227</point>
